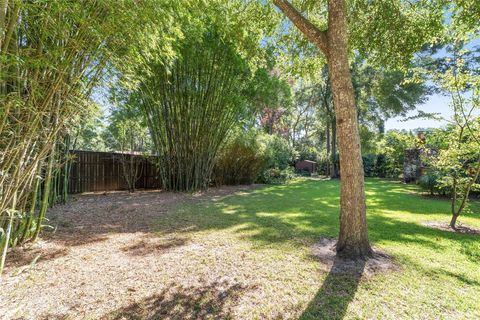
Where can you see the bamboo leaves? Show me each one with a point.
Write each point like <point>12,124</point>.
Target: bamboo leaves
<point>191,105</point>
<point>51,55</point>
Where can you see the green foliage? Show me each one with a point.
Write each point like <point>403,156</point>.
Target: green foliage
<point>398,30</point>
<point>240,161</point>
<point>456,73</point>
<point>268,90</point>
<point>457,165</point>
<point>90,130</point>
<point>306,151</point>
<point>382,93</point>
<point>392,147</point>
<point>277,176</point>
<point>279,154</point>
<point>429,182</point>
<point>127,130</point>
<point>370,165</point>
<point>191,105</point>
<point>52,54</point>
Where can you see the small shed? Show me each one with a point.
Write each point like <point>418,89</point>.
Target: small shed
<point>306,165</point>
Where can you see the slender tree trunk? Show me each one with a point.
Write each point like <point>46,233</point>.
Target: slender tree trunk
<point>456,213</point>
<point>7,235</point>
<point>33,205</point>
<point>353,238</point>
<point>453,222</point>
<point>45,196</point>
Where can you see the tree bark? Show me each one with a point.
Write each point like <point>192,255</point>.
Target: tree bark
<point>353,238</point>
<point>334,168</point>
<point>327,133</point>
<point>453,221</point>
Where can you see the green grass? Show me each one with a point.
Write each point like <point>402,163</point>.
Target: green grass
<point>269,232</point>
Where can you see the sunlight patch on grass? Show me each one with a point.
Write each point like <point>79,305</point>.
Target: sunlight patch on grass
<point>274,227</point>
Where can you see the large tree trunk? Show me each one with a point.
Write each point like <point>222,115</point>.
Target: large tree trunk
<point>353,238</point>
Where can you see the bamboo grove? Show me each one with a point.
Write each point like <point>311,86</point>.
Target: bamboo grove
<point>190,105</point>
<point>51,55</point>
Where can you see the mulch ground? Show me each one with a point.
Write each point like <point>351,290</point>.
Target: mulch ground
<point>102,259</point>
<point>325,251</point>
<point>460,228</point>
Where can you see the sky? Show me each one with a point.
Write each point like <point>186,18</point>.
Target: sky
<point>435,104</point>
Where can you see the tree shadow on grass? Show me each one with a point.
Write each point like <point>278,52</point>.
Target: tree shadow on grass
<point>338,290</point>
<point>216,300</point>
<point>304,210</point>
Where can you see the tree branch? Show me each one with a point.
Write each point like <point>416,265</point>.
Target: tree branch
<point>315,35</point>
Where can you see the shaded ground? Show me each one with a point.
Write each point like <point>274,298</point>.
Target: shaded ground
<point>325,251</point>
<point>254,255</point>
<point>460,228</point>
<point>102,254</point>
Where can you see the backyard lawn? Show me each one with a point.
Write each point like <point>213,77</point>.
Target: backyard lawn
<point>248,256</point>
<point>439,274</point>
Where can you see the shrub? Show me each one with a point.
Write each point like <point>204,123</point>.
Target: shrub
<point>303,173</point>
<point>429,182</point>
<point>322,164</point>
<point>374,165</point>
<point>369,165</point>
<point>279,154</point>
<point>307,152</point>
<point>277,176</point>
<point>381,166</point>
<point>241,161</point>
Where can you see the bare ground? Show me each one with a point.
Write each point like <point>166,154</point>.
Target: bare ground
<point>445,226</point>
<point>103,260</point>
<point>325,251</point>
<point>108,258</point>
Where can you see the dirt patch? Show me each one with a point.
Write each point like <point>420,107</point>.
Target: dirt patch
<point>325,251</point>
<point>104,254</point>
<point>211,300</point>
<point>149,245</point>
<point>444,226</point>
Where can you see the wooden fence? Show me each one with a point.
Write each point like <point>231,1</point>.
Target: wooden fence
<point>93,171</point>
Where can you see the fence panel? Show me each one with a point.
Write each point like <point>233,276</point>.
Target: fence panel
<point>93,171</point>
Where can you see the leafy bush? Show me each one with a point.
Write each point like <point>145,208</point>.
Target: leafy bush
<point>279,154</point>
<point>381,166</point>
<point>369,165</point>
<point>277,176</point>
<point>429,181</point>
<point>241,161</point>
<point>392,147</point>
<point>374,165</point>
<point>322,164</point>
<point>254,156</point>
<point>306,152</point>
<point>303,173</point>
